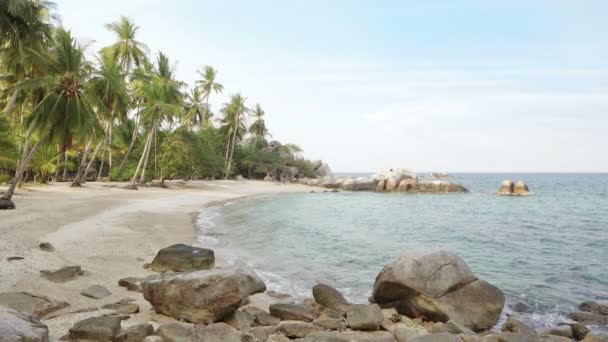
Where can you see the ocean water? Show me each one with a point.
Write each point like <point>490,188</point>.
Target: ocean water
<point>549,250</point>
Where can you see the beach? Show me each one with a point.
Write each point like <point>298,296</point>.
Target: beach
<point>110,232</point>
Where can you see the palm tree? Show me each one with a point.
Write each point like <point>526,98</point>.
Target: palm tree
<point>195,109</point>
<point>127,49</point>
<point>234,124</point>
<point>258,127</point>
<point>66,108</point>
<point>208,85</point>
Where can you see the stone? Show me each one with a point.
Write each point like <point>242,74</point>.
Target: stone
<point>62,275</point>
<point>135,333</point>
<point>329,297</point>
<point>350,336</point>
<point>262,317</point>
<point>132,283</point>
<point>104,328</point>
<point>330,183</point>
<point>359,184</point>
<point>457,328</point>
<point>596,338</point>
<point>46,246</point>
<point>408,185</point>
<point>183,258</point>
<point>561,330</point>
<point>203,296</point>
<point>579,331</point>
<point>36,305</point>
<point>405,332</point>
<point>175,332</point>
<point>392,183</point>
<point>217,332</point>
<point>17,326</point>
<point>506,187</point>
<point>328,322</point>
<point>298,329</point>
<point>259,333</point>
<point>123,308</point>
<point>240,320</point>
<point>364,317</point>
<point>521,307</point>
<point>323,170</point>
<point>153,339</point>
<point>553,338</point>
<point>438,337</point>
<point>381,185</point>
<point>399,174</point>
<point>594,308</point>
<point>96,292</point>
<point>292,312</point>
<point>509,337</point>
<point>438,286</point>
<point>589,318</point>
<point>278,338</point>
<point>518,327</point>
<point>520,188</point>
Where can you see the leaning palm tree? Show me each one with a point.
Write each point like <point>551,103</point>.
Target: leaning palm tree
<point>130,52</point>
<point>258,127</point>
<point>234,123</point>
<point>65,109</point>
<point>207,85</point>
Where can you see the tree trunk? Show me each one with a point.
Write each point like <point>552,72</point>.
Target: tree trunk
<point>231,155</point>
<point>65,163</point>
<point>103,153</point>
<point>11,104</point>
<point>142,179</point>
<point>143,156</point>
<point>83,176</point>
<point>110,153</point>
<point>133,139</point>
<point>82,164</point>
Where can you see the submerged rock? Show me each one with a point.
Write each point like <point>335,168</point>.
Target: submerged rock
<point>594,308</point>
<point>202,296</point>
<point>508,188</point>
<point>17,326</point>
<point>183,258</point>
<point>438,286</point>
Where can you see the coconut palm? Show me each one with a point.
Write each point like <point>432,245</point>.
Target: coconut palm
<point>258,127</point>
<point>66,109</point>
<point>234,124</point>
<point>207,85</point>
<point>195,109</point>
<point>130,52</point>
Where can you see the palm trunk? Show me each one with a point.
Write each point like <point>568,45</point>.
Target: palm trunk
<point>57,168</point>
<point>65,163</point>
<point>110,153</point>
<point>83,176</point>
<point>133,139</point>
<point>103,153</point>
<point>11,104</point>
<point>231,155</point>
<point>82,164</point>
<point>145,152</point>
<point>142,179</point>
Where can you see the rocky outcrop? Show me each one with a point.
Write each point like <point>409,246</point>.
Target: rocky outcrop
<point>17,326</point>
<point>36,305</point>
<point>182,258</point>
<point>508,188</point>
<point>202,296</point>
<point>438,286</point>
<point>322,169</point>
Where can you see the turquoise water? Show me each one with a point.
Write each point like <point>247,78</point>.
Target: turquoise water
<point>549,249</point>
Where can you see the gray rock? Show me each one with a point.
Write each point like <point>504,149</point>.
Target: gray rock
<point>328,322</point>
<point>240,320</point>
<point>104,328</point>
<point>518,327</point>
<point>579,330</point>
<point>439,337</point>
<point>36,305</point>
<point>329,297</point>
<point>438,286</point>
<point>589,318</point>
<point>182,258</point>
<point>364,317</point>
<point>457,328</point>
<point>62,275</point>
<point>132,283</point>
<point>509,337</point>
<point>135,333</point>
<point>21,327</point>
<point>298,329</point>
<point>96,292</point>
<point>259,333</point>
<point>277,338</point>
<point>264,318</point>
<point>521,307</point>
<point>123,308</point>
<point>594,308</point>
<point>596,338</point>
<point>217,332</point>
<point>175,332</point>
<point>202,296</point>
<point>350,336</point>
<point>561,330</point>
<point>405,332</point>
<point>46,246</point>
<point>292,312</point>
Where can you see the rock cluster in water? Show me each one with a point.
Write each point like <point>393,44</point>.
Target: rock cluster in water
<point>508,188</point>
<point>420,297</point>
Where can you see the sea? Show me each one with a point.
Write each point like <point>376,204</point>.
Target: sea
<point>549,250</point>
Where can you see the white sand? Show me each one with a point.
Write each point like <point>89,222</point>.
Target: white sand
<point>104,229</point>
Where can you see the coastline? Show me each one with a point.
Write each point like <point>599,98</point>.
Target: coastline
<point>109,232</point>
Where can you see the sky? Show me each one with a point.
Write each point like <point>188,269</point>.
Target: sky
<point>445,86</point>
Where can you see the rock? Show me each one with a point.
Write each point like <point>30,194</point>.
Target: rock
<point>579,331</point>
<point>408,185</point>
<point>217,332</point>
<point>521,307</point>
<point>130,186</point>
<point>263,301</point>
<point>277,338</point>
<point>506,188</point>
<point>323,170</point>
<point>183,258</point>
<point>509,337</point>
<point>240,320</point>
<point>288,174</point>
<point>328,322</point>
<point>135,333</point>
<point>63,274</point>
<point>14,258</point>
<point>381,185</point>
<point>589,318</point>
<point>123,308</point>
<point>364,317</point>
<point>438,286</point>
<point>292,312</point>
<point>439,337</point>
<point>594,308</point>
<point>553,338</point>
<point>330,183</point>
<point>46,246</point>
<point>239,178</point>
<point>259,333</point>
<point>96,292</point>
<point>6,204</point>
<point>561,330</point>
<point>398,174</point>
<point>329,297</point>
<point>518,327</point>
<point>104,328</point>
<point>131,283</point>
<point>596,338</point>
<point>457,328</point>
<point>441,187</point>
<point>295,329</point>
<point>392,183</point>
<point>175,332</point>
<point>153,339</point>
<point>509,188</point>
<point>202,296</point>
<point>405,332</point>
<point>359,184</point>
<point>350,336</point>
<point>264,318</point>
<point>36,305</point>
<point>520,188</point>
<point>21,327</point>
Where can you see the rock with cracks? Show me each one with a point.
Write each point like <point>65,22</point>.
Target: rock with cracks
<point>21,327</point>
<point>183,258</point>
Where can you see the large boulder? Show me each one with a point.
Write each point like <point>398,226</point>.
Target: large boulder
<point>329,297</point>
<point>17,326</point>
<point>36,305</point>
<point>594,307</point>
<point>364,317</point>
<point>104,328</point>
<point>508,188</point>
<point>182,258</point>
<point>202,296</point>
<point>438,286</point>
<point>292,312</point>
<point>359,184</point>
<point>440,186</point>
<point>399,174</point>
<point>589,318</point>
<point>322,169</point>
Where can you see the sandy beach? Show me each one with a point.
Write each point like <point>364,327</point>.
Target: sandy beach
<point>110,232</point>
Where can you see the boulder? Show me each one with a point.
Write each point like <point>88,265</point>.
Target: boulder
<point>359,184</point>
<point>96,292</point>
<point>438,337</point>
<point>509,188</point>
<point>521,307</point>
<point>240,320</point>
<point>292,312</point>
<point>153,339</point>
<point>104,328</point>
<point>561,330</point>
<point>329,322</point>
<point>329,297</point>
<point>175,332</point>
<point>399,174</point>
<point>287,174</point>
<point>133,283</point>
<point>17,326</point>
<point>298,329</point>
<point>183,258</point>
<point>122,308</point>
<point>589,318</point>
<point>408,185</point>
<point>579,331</point>
<point>135,333</point>
<point>520,188</point>
<point>438,286</point>
<point>518,327</point>
<point>392,183</point>
<point>62,275</point>
<point>323,170</point>
<point>506,187</point>
<point>596,338</point>
<point>364,317</point>
<point>405,332</point>
<point>330,183</point>
<point>381,185</point>
<point>36,305</point>
<point>202,296</point>
<point>439,186</point>
<point>217,332</point>
<point>350,336</point>
<point>594,308</point>
<point>263,318</point>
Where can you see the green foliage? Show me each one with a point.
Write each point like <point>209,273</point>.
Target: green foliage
<point>8,147</point>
